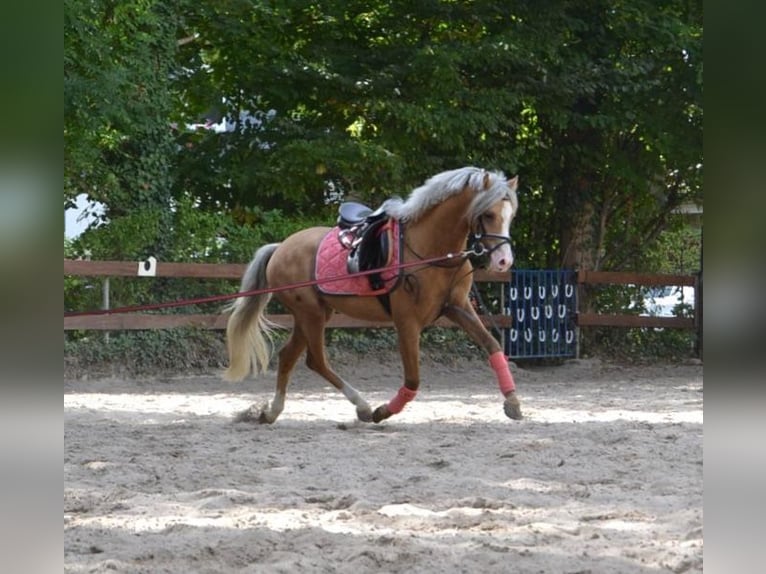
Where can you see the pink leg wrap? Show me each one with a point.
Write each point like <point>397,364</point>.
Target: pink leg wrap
<point>504,377</point>
<point>403,397</point>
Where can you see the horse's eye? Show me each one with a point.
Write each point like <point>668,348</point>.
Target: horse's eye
<point>488,217</point>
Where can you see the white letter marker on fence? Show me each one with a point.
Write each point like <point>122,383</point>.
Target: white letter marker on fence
<point>147,268</point>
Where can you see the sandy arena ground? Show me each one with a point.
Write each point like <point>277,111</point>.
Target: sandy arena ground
<point>603,475</point>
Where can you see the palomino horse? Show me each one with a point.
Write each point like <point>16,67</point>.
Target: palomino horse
<point>438,218</point>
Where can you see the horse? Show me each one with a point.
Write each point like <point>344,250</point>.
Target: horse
<point>437,222</point>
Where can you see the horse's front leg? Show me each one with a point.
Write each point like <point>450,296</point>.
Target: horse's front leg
<point>408,333</point>
<point>466,317</point>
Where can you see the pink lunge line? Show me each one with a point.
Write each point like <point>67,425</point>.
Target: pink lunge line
<point>403,397</point>
<point>504,377</point>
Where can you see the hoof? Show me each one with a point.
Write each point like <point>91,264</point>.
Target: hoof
<point>249,415</point>
<point>264,419</point>
<point>364,414</point>
<point>380,414</point>
<point>253,415</point>
<point>512,407</point>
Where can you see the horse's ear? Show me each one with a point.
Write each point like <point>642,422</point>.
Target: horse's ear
<point>514,183</point>
<point>486,180</point>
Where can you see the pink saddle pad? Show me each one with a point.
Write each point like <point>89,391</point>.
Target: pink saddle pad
<point>331,271</point>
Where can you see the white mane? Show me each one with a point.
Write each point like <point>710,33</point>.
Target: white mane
<point>443,185</point>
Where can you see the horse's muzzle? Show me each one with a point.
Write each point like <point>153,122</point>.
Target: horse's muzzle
<point>501,259</point>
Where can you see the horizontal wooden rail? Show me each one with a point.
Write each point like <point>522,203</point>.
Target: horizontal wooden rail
<point>197,270</point>
<point>234,271</point>
<point>640,321</point>
<point>632,278</point>
<point>642,279</point>
<point>138,321</point>
<point>130,269</point>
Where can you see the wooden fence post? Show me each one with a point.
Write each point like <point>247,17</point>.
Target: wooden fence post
<point>105,303</point>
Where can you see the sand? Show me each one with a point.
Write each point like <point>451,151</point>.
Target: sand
<point>604,474</point>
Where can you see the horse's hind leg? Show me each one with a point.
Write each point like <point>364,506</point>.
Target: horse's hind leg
<point>316,360</point>
<point>408,332</point>
<point>288,356</point>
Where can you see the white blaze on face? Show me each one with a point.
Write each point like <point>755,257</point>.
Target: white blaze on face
<point>502,257</point>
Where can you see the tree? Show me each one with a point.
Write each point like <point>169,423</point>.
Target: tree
<point>365,98</point>
<point>622,127</point>
<point>118,146</point>
<point>598,105</point>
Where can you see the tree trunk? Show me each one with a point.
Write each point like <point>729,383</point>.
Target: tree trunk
<point>578,240</point>
<point>578,245</point>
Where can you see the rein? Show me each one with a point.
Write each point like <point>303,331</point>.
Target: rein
<point>439,261</point>
<point>476,248</point>
<point>254,292</point>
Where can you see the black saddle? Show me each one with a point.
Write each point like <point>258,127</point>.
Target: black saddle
<point>361,233</point>
<point>351,214</point>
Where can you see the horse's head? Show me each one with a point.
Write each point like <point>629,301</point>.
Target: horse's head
<point>483,201</point>
<point>491,214</point>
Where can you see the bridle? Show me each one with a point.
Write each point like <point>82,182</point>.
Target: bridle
<point>476,239</point>
<point>477,246</point>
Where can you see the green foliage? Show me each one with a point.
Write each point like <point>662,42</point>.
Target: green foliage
<point>634,344</point>
<point>144,352</point>
<point>597,105</point>
<point>118,145</point>
<point>80,293</point>
<point>193,235</point>
<point>372,98</point>
<point>187,350</point>
<point>677,251</point>
<point>364,341</point>
<point>639,345</point>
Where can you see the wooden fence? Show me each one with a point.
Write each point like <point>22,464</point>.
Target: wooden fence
<point>231,271</point>
<point>646,280</point>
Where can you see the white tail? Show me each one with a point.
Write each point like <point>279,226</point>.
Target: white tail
<point>248,330</point>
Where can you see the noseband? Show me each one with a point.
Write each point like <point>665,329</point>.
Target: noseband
<point>476,240</point>
<point>477,246</point>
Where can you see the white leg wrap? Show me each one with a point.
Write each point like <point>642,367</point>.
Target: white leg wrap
<point>277,405</point>
<point>353,395</point>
